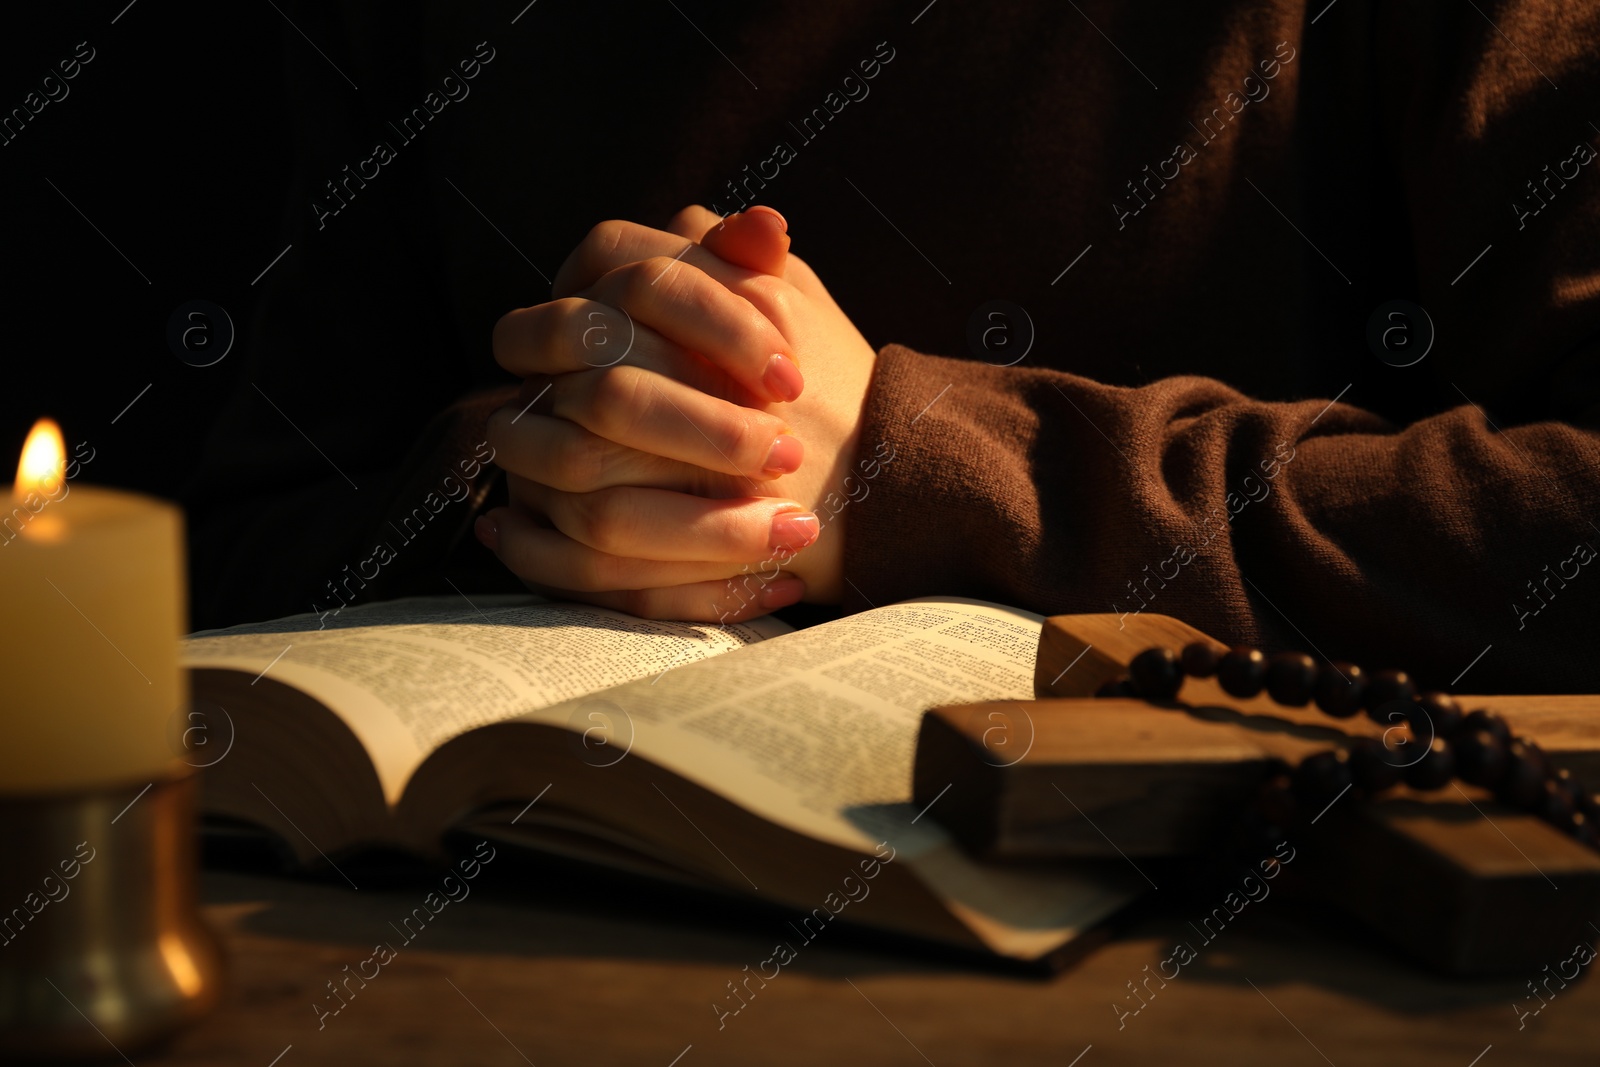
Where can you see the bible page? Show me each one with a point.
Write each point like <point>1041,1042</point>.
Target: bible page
<point>408,675</point>
<point>817,733</point>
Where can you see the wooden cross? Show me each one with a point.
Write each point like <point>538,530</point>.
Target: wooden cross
<point>1457,880</point>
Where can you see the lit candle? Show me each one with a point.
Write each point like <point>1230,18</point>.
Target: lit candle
<point>91,583</point>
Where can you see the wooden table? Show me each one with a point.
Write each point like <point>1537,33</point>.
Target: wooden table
<point>568,967</point>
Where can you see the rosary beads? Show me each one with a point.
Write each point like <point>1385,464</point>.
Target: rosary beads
<point>1446,742</point>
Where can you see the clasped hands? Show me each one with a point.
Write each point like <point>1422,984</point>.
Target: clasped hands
<point>690,398</point>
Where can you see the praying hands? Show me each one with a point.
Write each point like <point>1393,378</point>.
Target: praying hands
<point>686,409</point>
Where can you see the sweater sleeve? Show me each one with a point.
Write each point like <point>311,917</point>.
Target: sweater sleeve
<point>1308,525</point>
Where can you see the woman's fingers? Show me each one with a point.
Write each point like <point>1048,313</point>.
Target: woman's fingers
<point>694,222</point>
<point>642,410</point>
<point>614,242</point>
<point>756,238</point>
<point>564,455</point>
<point>577,334</point>
<point>656,313</point>
<point>694,310</point>
<point>548,557</point>
<point>768,369</point>
<point>658,524</point>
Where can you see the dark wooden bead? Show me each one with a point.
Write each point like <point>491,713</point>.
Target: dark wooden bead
<point>1117,687</point>
<point>1155,674</point>
<point>1340,689</point>
<point>1242,672</point>
<point>1383,689</point>
<point>1483,719</point>
<point>1397,713</point>
<point>1320,779</point>
<point>1199,659</point>
<point>1291,678</point>
<point>1522,785</point>
<point>1480,757</point>
<point>1373,767</point>
<point>1436,715</point>
<point>1436,767</point>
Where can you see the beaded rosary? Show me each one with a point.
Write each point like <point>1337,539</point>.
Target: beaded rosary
<point>1477,747</point>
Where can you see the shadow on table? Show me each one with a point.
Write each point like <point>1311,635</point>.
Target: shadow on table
<point>1297,943</point>
<point>538,906</point>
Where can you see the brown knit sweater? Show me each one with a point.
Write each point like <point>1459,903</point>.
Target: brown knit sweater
<point>1200,208</point>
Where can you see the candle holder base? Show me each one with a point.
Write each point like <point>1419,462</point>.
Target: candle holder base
<point>101,940</point>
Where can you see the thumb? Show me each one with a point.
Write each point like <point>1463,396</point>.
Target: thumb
<point>756,239</point>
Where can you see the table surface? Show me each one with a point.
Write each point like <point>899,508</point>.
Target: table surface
<point>542,966</point>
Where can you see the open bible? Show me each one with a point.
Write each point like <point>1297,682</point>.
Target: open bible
<point>751,757</point>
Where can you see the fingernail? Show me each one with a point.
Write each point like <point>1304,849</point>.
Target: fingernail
<point>774,212</point>
<point>786,454</point>
<point>487,531</point>
<point>782,593</point>
<point>793,530</point>
<point>782,378</point>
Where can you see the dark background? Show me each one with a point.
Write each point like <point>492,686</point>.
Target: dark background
<point>174,142</point>
<point>175,145</point>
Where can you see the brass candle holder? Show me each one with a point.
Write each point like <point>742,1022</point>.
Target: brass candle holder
<point>101,940</point>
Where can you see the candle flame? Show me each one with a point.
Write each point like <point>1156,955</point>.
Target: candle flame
<point>42,468</point>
